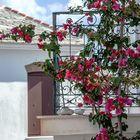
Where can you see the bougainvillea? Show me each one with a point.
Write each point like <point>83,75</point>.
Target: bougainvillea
<point>105,78</point>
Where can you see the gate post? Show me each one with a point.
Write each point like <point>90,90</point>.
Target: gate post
<point>40,96</point>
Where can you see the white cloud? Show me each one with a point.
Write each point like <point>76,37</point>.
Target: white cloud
<point>29,7</point>
<point>75,3</point>
<point>60,7</point>
<point>44,13</point>
<point>56,7</point>
<point>32,8</point>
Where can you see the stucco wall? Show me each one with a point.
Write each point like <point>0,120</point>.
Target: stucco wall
<point>13,114</point>
<point>13,87</point>
<point>12,63</point>
<point>13,91</point>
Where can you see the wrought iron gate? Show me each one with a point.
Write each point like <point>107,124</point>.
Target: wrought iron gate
<point>65,94</point>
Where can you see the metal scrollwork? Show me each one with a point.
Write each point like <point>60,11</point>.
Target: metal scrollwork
<point>66,94</point>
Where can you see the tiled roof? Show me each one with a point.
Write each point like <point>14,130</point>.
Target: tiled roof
<point>16,12</point>
<point>10,18</point>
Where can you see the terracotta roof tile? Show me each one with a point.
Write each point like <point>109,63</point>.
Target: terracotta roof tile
<point>24,15</point>
<point>15,11</point>
<point>7,8</point>
<point>36,20</point>
<point>43,23</point>
<point>31,18</point>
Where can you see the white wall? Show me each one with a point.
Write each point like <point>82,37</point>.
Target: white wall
<point>13,91</point>
<point>13,116</point>
<point>13,87</point>
<point>12,63</point>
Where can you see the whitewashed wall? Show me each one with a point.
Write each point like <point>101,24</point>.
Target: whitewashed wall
<point>13,86</point>
<point>13,89</point>
<point>13,114</point>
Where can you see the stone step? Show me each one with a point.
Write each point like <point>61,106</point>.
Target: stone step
<point>62,137</point>
<point>40,138</point>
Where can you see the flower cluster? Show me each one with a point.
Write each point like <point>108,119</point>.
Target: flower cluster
<point>73,28</point>
<point>23,32</point>
<point>126,56</point>
<point>117,104</point>
<point>103,135</point>
<point>2,36</point>
<point>104,78</point>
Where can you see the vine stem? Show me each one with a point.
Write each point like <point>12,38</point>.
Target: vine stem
<point>95,112</point>
<point>120,72</point>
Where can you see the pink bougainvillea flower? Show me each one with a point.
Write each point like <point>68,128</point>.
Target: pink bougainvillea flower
<point>14,30</point>
<point>60,36</point>
<point>104,131</point>
<point>106,88</point>
<point>21,34</point>
<point>130,52</point>
<point>119,111</point>
<point>104,8</point>
<point>99,137</point>
<point>73,58</point>
<point>65,26</point>
<point>88,100</point>
<point>69,76</point>
<point>40,39</point>
<point>138,48</point>
<point>121,101</point>
<point>28,38</point>
<point>123,62</point>
<point>69,21</point>
<point>102,112</point>
<point>89,63</point>
<point>100,101</point>
<point>114,1</point>
<point>75,30</point>
<point>123,52</point>
<point>136,55</point>
<point>97,68</point>
<point>80,67</point>
<point>80,105</point>
<point>59,75</point>
<point>116,6</point>
<point>97,4</point>
<point>40,45</point>
<point>103,135</point>
<point>129,101</point>
<point>114,55</point>
<point>90,19</point>
<point>2,36</point>
<point>60,62</point>
<point>90,86</point>
<point>109,105</point>
<point>109,115</point>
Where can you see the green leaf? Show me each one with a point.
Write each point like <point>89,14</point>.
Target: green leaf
<point>124,126</point>
<point>124,115</point>
<point>116,80</point>
<point>137,61</point>
<point>43,35</point>
<point>14,37</point>
<point>32,33</point>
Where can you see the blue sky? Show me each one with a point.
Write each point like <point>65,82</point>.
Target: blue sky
<point>40,9</point>
<point>44,2</point>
